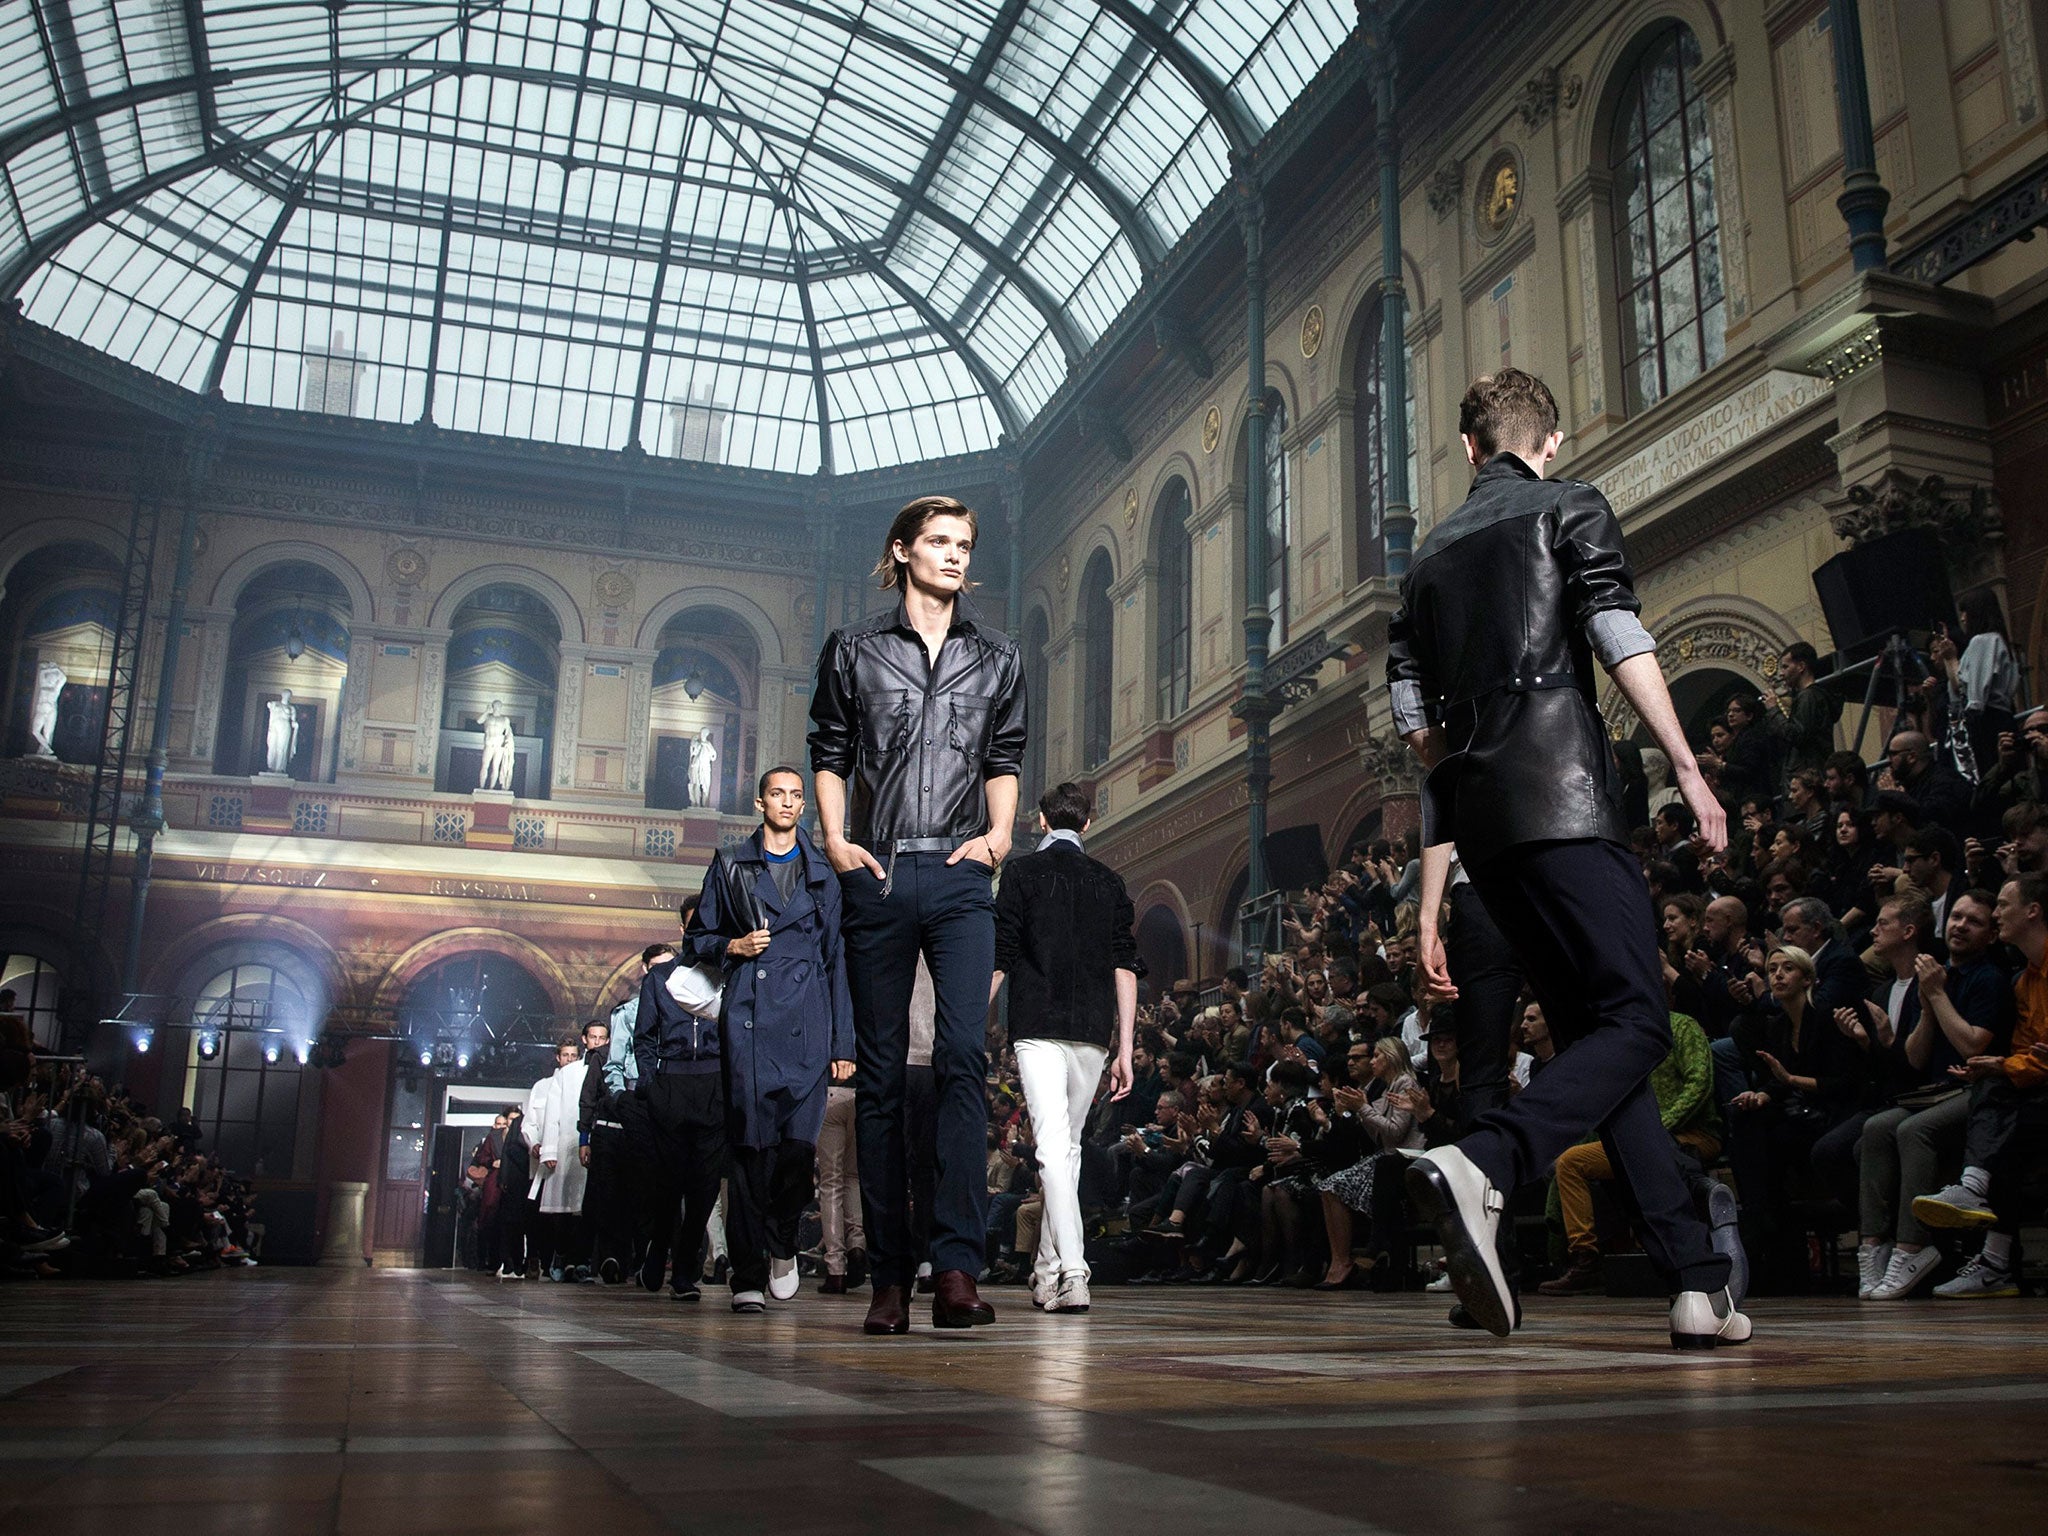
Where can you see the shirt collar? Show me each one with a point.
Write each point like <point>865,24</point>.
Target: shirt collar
<point>1506,465</point>
<point>963,622</point>
<point>1061,835</point>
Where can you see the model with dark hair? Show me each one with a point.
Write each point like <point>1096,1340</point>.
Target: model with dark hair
<point>918,729</point>
<point>1509,602</point>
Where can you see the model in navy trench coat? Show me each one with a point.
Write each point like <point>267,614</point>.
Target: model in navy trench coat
<point>787,1015</point>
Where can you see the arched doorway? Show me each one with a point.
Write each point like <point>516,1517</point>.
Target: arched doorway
<point>504,648</point>
<point>61,610</point>
<point>1163,948</point>
<point>707,679</point>
<point>291,635</point>
<point>252,1025</point>
<point>1701,698</point>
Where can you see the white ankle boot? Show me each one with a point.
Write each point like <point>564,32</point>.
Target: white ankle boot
<point>1706,1320</point>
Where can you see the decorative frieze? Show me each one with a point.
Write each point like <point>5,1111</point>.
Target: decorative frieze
<point>1962,517</point>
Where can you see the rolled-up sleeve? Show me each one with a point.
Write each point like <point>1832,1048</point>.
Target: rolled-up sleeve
<point>833,723</point>
<point>1598,583</point>
<point>1008,727</point>
<point>1404,678</point>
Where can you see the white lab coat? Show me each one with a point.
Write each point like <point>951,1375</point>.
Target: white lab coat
<point>551,1127</point>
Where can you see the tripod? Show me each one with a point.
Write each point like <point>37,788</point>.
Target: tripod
<point>1894,660</point>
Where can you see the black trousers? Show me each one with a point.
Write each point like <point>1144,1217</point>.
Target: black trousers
<point>608,1204</point>
<point>686,1125</point>
<point>1489,981</point>
<point>947,913</point>
<point>1577,915</point>
<point>1998,1113</point>
<point>766,1192</point>
<point>921,1146</point>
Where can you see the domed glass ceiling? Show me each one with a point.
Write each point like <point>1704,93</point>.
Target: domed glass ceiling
<point>787,234</point>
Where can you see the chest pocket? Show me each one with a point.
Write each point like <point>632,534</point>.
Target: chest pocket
<point>887,720</point>
<point>967,726</point>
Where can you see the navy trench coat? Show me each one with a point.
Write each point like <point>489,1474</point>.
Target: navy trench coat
<point>787,1015</point>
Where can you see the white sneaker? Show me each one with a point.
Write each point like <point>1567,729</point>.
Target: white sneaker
<point>1980,1280</point>
<point>1703,1321</point>
<point>1904,1274</point>
<point>1448,1188</point>
<point>1871,1261</point>
<point>510,1274</point>
<point>749,1302</point>
<point>782,1278</point>
<point>1043,1289</point>
<point>1072,1295</point>
<point>1440,1283</point>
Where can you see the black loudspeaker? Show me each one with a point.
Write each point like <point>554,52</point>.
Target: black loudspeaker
<point>1294,858</point>
<point>1893,584</point>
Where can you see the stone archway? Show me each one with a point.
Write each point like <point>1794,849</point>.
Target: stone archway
<point>1720,635</point>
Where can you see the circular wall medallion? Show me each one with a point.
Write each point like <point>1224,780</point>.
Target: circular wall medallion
<point>1130,508</point>
<point>1499,196</point>
<point>406,566</point>
<point>1066,573</point>
<point>1212,429</point>
<point>1312,331</point>
<point>614,588</point>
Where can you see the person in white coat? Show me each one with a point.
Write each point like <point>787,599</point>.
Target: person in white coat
<point>560,1176</point>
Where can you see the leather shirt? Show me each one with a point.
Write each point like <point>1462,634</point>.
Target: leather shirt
<point>1507,604</point>
<point>915,739</point>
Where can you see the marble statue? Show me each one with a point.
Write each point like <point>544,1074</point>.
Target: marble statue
<point>703,772</point>
<point>497,768</point>
<point>42,729</point>
<point>281,737</point>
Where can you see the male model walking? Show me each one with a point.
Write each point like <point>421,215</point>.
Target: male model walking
<point>1508,603</point>
<point>1063,937</point>
<point>769,914</point>
<point>921,711</point>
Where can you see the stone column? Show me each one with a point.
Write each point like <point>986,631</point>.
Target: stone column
<point>568,717</point>
<point>212,631</point>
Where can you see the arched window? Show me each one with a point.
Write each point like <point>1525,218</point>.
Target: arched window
<point>1667,242</point>
<point>1098,618</point>
<point>1369,428</point>
<point>1036,637</point>
<point>1279,520</point>
<point>251,1025</point>
<point>35,985</point>
<point>1174,562</point>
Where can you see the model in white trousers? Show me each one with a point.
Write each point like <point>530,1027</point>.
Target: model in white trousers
<point>839,1181</point>
<point>1059,1078</point>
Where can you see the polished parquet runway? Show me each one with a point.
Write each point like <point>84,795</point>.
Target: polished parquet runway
<point>396,1402</point>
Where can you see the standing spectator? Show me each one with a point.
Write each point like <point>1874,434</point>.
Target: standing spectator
<point>1809,709</point>
<point>1983,678</point>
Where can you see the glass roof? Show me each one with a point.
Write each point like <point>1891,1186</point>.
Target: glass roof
<point>786,234</point>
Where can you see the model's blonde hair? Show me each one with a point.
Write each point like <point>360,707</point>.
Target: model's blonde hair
<point>908,524</point>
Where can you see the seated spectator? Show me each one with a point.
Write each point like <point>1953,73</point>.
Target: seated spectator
<point>1749,761</point>
<point>1683,1084</point>
<point>1845,883</point>
<point>1845,780</point>
<point>1804,1077</point>
<point>1681,918</point>
<point>1806,806</point>
<point>1965,1010</point>
<point>1942,794</point>
<point>2008,1097</point>
<point>1387,1126</point>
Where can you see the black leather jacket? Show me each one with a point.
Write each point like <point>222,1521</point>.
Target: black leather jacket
<point>915,741</point>
<point>1063,931</point>
<point>1507,603</point>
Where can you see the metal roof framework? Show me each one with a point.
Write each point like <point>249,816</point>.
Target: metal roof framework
<point>839,234</point>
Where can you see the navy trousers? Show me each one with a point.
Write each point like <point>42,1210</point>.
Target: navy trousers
<point>1577,915</point>
<point>948,914</point>
<point>1489,982</point>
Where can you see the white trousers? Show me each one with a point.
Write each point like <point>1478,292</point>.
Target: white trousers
<point>839,1181</point>
<point>1059,1078</point>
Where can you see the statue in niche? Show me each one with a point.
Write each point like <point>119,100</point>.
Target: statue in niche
<point>497,728</point>
<point>281,735</point>
<point>703,771</point>
<point>42,727</point>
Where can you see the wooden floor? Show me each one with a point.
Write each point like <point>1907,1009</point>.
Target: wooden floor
<point>417,1401</point>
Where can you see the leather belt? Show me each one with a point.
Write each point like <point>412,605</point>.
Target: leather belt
<point>922,844</point>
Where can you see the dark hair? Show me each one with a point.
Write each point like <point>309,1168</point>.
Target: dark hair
<point>1066,807</point>
<point>1693,908</point>
<point>1237,978</point>
<point>1182,1063</point>
<point>1680,815</point>
<point>1938,841</point>
<point>908,524</point>
<point>647,955</point>
<point>761,784</point>
<point>2033,890</point>
<point>1985,899</point>
<point>687,912</point>
<point>1244,1072</point>
<point>1292,1075</point>
<point>1752,706</point>
<point>1509,410</point>
<point>1899,803</point>
<point>590,1024</point>
<point>570,1041</point>
<point>1803,653</point>
<point>1810,777</point>
<point>1981,612</point>
<point>1849,766</point>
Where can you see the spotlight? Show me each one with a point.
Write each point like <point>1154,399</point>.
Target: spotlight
<point>271,1052</point>
<point>426,1058</point>
<point>144,1040</point>
<point>462,1061</point>
<point>444,1055</point>
<point>305,1053</point>
<point>209,1045</point>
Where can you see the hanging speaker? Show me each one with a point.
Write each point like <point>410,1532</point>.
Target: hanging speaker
<point>1897,584</point>
<point>1294,858</point>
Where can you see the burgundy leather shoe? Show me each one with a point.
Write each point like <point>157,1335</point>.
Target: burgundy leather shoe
<point>835,1285</point>
<point>956,1303</point>
<point>889,1312</point>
